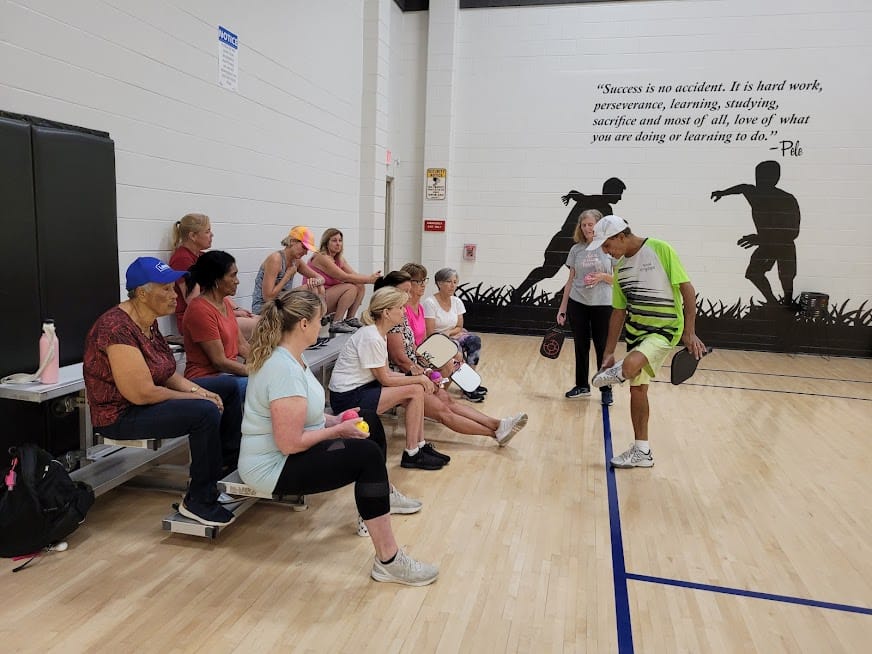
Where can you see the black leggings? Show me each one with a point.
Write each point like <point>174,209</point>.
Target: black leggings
<point>588,321</point>
<point>338,462</point>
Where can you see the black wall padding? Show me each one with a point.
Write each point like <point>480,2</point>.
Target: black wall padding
<point>77,235</point>
<point>19,284</point>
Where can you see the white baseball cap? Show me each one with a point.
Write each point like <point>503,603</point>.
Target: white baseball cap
<point>607,227</point>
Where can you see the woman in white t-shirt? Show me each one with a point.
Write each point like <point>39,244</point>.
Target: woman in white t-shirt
<point>289,446</point>
<point>587,302</point>
<point>443,314</point>
<point>362,378</point>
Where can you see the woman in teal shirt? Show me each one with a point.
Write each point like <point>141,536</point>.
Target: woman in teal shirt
<point>289,445</point>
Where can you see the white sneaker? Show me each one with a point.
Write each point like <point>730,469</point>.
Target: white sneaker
<point>362,531</point>
<point>609,376</point>
<point>404,570</point>
<point>509,427</point>
<point>633,458</point>
<point>402,504</point>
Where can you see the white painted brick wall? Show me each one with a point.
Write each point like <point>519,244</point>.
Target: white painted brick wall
<point>283,150</point>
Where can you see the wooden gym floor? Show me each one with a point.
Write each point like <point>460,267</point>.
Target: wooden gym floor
<point>752,533</point>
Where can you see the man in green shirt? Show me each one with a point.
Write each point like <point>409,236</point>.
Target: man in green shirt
<point>655,302</point>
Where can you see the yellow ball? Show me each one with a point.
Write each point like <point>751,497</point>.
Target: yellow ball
<point>363,426</point>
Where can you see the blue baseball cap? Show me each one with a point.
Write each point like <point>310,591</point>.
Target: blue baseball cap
<point>145,270</point>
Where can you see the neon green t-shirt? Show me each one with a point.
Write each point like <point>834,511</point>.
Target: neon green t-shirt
<point>646,285</point>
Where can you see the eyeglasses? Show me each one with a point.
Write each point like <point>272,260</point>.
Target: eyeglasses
<point>421,282</point>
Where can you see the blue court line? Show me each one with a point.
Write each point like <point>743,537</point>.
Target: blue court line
<point>750,593</point>
<point>619,571</point>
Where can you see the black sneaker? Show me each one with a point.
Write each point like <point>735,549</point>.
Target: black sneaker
<point>475,396</point>
<point>421,460</point>
<point>213,515</point>
<point>429,449</point>
<point>607,398</point>
<point>578,391</point>
<point>481,390</point>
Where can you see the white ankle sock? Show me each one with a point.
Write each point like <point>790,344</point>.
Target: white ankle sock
<point>643,445</point>
<point>421,443</point>
<point>412,452</point>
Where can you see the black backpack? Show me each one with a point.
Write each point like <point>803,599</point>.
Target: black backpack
<point>40,504</point>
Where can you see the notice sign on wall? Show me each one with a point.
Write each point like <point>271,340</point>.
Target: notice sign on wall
<point>436,183</point>
<point>228,61</point>
<point>431,225</point>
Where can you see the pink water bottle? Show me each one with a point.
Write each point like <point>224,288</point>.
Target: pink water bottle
<point>49,354</point>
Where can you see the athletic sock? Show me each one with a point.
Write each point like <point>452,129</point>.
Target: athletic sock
<point>643,446</point>
<point>412,452</point>
<point>422,443</point>
<point>390,560</point>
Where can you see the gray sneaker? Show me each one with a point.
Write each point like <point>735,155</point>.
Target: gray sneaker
<point>633,458</point>
<point>353,322</point>
<point>609,376</point>
<point>404,570</point>
<point>509,427</point>
<point>402,504</point>
<point>341,328</point>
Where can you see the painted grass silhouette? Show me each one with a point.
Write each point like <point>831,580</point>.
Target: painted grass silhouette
<point>743,324</point>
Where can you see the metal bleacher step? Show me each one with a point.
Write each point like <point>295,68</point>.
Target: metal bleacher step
<point>176,523</point>
<point>111,465</point>
<point>245,497</point>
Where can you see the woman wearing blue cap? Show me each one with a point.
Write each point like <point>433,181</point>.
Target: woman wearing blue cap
<point>135,392</point>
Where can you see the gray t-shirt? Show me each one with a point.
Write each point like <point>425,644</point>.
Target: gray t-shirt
<point>585,261</point>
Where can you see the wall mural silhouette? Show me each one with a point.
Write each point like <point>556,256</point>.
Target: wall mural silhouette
<point>561,242</point>
<point>782,323</point>
<point>776,217</point>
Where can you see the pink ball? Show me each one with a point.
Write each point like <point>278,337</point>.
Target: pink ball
<point>351,414</point>
<point>436,376</point>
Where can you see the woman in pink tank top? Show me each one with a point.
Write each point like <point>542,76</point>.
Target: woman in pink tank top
<point>414,309</point>
<point>344,286</point>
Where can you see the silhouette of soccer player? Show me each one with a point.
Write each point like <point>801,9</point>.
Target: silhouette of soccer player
<point>561,242</point>
<point>776,216</point>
